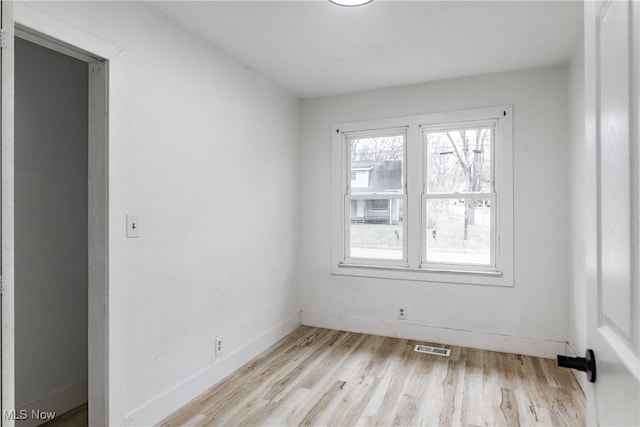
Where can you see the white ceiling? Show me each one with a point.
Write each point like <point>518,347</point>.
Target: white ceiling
<point>315,48</point>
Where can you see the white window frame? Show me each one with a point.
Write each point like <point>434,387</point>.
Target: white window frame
<point>348,196</point>
<point>492,267</point>
<point>414,266</point>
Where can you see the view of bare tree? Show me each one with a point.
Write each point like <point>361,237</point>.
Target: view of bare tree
<point>377,149</point>
<point>459,162</point>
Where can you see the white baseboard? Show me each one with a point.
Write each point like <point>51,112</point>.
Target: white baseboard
<point>58,402</point>
<point>401,329</point>
<point>183,393</point>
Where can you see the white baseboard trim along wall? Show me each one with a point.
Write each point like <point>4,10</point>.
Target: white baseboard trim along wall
<point>402,329</point>
<point>183,393</point>
<point>55,403</point>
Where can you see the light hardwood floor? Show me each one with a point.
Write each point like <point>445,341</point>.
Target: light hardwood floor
<point>323,377</point>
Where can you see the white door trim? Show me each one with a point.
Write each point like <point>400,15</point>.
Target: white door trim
<point>100,55</point>
<point>8,355</point>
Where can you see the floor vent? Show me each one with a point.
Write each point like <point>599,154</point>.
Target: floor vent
<point>432,350</point>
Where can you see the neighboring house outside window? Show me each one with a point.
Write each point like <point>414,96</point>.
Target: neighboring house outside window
<point>426,197</point>
<point>377,176</point>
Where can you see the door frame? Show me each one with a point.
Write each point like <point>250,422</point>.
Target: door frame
<point>7,371</point>
<point>97,179</point>
<point>32,25</point>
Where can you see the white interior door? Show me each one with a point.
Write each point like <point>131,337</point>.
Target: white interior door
<point>612,97</point>
<point>6,224</point>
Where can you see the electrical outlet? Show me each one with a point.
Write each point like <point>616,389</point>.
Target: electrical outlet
<point>219,343</point>
<point>402,313</point>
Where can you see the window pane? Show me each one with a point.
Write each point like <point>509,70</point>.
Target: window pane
<point>375,229</point>
<point>459,231</point>
<point>458,161</point>
<point>376,164</point>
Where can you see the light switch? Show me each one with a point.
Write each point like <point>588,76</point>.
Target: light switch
<point>133,226</point>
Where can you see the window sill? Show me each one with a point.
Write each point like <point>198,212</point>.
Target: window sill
<point>483,278</point>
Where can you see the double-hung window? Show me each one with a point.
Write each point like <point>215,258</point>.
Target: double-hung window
<point>426,197</point>
<point>459,195</point>
<point>375,199</point>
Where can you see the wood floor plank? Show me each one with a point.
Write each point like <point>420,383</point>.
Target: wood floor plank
<point>322,406</point>
<point>375,401</point>
<point>386,411</point>
<point>329,364</point>
<point>449,388</point>
<point>413,398</point>
<point>322,377</point>
<point>472,407</point>
<point>509,407</point>
<point>308,362</point>
<point>348,411</point>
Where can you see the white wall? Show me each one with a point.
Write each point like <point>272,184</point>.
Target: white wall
<point>577,204</point>
<point>537,306</point>
<point>205,150</point>
<point>50,228</point>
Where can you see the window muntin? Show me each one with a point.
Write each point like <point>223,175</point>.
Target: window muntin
<point>459,193</point>
<point>374,217</point>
